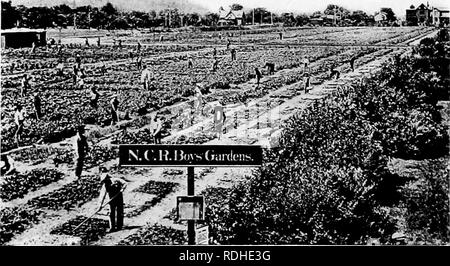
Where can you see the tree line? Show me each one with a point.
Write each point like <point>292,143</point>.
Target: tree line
<point>109,17</point>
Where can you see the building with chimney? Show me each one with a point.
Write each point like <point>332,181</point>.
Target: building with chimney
<point>231,17</point>
<point>419,16</point>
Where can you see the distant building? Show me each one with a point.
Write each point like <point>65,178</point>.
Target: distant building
<point>440,16</point>
<point>21,37</point>
<point>419,16</point>
<point>316,21</point>
<point>381,19</point>
<point>231,17</point>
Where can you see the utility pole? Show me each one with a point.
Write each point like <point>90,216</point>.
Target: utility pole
<point>253,18</point>
<point>271,17</point>
<point>89,18</point>
<point>169,20</point>
<point>334,16</point>
<point>190,192</point>
<point>74,15</point>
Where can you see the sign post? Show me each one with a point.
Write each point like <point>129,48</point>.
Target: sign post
<point>190,207</point>
<point>190,192</point>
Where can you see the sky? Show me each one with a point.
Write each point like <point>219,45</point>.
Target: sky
<point>309,6</point>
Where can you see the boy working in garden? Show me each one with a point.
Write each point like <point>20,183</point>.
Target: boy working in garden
<point>139,62</point>
<point>94,95</point>
<point>25,85</point>
<point>215,64</point>
<point>233,54</point>
<point>114,110</point>
<point>305,64</point>
<point>146,77</point>
<point>352,62</point>
<point>155,129</point>
<point>114,187</point>
<point>19,117</point>
<point>81,147</point>
<point>37,103</point>
<point>334,73</point>
<point>270,68</point>
<point>258,76</point>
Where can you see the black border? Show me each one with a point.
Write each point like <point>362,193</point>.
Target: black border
<point>280,255</point>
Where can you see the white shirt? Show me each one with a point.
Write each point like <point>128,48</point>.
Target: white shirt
<point>155,126</point>
<point>198,92</point>
<point>19,116</point>
<point>146,75</point>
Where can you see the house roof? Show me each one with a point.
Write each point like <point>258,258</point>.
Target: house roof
<point>442,9</point>
<point>231,14</point>
<point>381,16</point>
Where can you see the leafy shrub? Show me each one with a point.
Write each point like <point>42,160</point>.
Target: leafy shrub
<point>18,185</point>
<point>15,220</point>
<point>427,202</point>
<point>328,182</point>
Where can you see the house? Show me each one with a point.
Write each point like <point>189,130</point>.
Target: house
<point>440,16</point>
<point>419,16</point>
<point>231,17</point>
<point>316,21</point>
<point>381,19</point>
<point>22,37</point>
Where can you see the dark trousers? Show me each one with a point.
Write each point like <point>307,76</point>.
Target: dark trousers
<point>79,166</point>
<point>93,103</point>
<point>114,116</point>
<point>116,213</point>
<point>157,138</point>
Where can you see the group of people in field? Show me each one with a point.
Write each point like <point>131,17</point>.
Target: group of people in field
<point>114,187</point>
<point>78,76</point>
<point>146,79</point>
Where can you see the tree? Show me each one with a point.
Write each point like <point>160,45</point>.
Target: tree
<point>192,19</point>
<point>236,7</point>
<point>302,19</point>
<point>358,16</point>
<point>390,15</point>
<point>331,9</point>
<point>210,19</point>
<point>316,14</point>
<point>39,17</point>
<point>288,19</point>
<point>260,13</point>
<point>9,15</point>
<point>109,9</point>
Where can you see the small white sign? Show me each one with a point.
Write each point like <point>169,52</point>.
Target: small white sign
<point>190,208</point>
<point>202,235</point>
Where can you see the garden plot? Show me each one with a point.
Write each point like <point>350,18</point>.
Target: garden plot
<point>158,190</point>
<point>89,231</point>
<point>191,134</point>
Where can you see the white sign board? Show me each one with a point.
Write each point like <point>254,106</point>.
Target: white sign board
<point>202,235</point>
<point>190,208</point>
